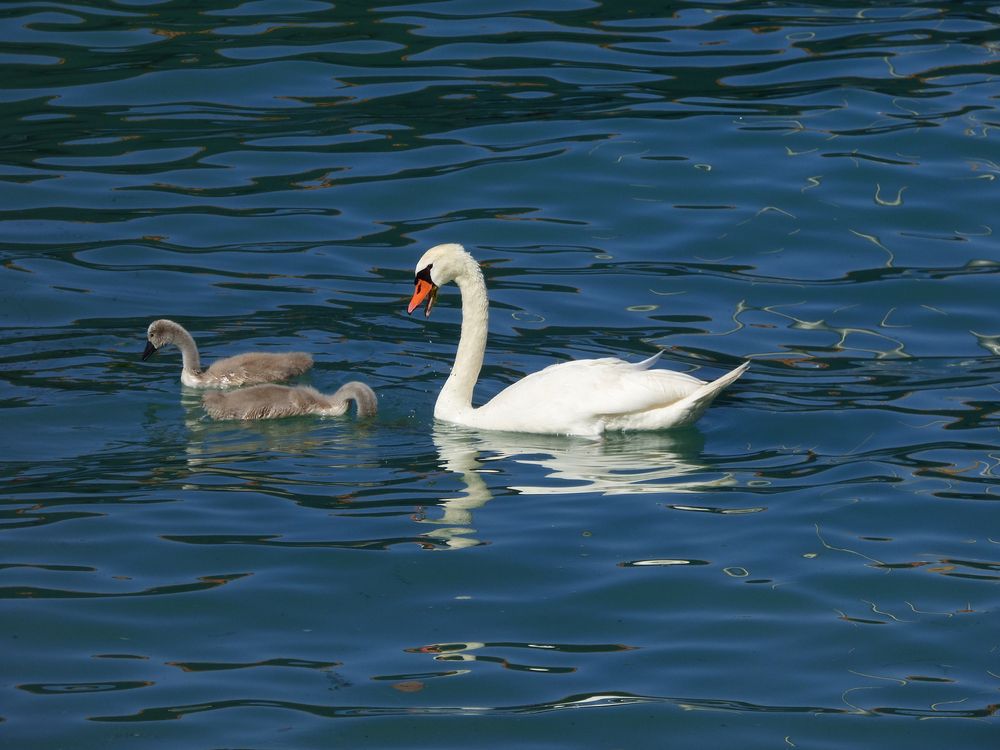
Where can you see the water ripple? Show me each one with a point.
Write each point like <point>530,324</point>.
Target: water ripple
<point>572,702</point>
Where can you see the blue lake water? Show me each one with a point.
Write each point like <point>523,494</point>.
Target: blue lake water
<point>811,186</point>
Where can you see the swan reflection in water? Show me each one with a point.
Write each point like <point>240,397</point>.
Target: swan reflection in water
<point>640,463</point>
<point>627,464</point>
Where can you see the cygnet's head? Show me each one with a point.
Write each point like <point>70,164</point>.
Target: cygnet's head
<point>436,267</point>
<point>160,333</point>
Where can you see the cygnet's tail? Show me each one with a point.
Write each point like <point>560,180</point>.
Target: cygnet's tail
<point>689,408</point>
<point>363,396</point>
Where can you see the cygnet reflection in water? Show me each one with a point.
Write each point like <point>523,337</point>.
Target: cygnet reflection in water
<point>243,443</point>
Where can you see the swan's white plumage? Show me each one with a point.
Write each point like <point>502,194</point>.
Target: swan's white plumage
<point>582,397</point>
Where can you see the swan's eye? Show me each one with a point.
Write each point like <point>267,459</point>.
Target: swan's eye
<point>424,275</point>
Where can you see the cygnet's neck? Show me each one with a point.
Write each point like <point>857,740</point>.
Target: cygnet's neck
<point>189,353</point>
<point>337,403</point>
<point>455,398</point>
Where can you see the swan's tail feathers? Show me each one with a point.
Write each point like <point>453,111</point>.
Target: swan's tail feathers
<point>363,397</point>
<point>648,362</point>
<point>689,408</point>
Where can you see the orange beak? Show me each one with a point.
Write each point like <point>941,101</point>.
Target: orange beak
<point>423,289</point>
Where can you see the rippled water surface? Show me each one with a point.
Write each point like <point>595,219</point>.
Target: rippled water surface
<point>813,187</point>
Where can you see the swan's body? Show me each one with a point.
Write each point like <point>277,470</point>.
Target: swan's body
<point>241,369</point>
<point>585,397</point>
<point>274,401</point>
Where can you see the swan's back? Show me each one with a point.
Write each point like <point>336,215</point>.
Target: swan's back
<point>256,367</point>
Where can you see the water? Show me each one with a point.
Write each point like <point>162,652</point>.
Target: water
<point>813,187</point>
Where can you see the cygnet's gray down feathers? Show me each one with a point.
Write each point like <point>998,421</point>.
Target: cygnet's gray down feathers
<point>274,401</point>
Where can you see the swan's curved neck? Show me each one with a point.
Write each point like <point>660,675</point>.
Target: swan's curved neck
<point>189,351</point>
<point>456,395</point>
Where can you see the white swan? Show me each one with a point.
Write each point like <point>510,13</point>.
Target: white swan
<point>241,369</point>
<point>274,401</point>
<point>584,397</point>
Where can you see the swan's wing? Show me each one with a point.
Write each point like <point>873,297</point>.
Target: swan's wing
<point>681,412</point>
<point>584,392</point>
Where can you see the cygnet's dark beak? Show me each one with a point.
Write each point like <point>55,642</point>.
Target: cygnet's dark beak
<point>149,351</point>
